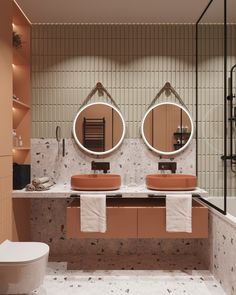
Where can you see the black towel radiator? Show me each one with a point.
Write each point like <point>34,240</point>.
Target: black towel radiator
<point>94,134</point>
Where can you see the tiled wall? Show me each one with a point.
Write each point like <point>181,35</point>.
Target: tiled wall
<point>232,61</point>
<point>132,61</point>
<point>211,105</point>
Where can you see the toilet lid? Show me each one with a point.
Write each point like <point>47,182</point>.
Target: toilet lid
<point>13,252</point>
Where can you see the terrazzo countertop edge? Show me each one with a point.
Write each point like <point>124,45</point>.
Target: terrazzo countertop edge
<point>64,191</point>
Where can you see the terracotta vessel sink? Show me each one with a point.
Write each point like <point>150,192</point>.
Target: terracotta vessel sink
<point>171,182</point>
<point>95,182</point>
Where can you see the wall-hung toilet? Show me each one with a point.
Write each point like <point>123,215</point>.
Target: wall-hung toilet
<point>22,266</point>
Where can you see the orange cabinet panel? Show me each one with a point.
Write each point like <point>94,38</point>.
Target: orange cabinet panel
<point>121,223</point>
<point>152,223</point>
<point>5,208</point>
<point>21,220</point>
<point>6,78</point>
<point>6,167</point>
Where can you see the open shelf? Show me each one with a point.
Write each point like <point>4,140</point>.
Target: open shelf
<point>21,148</point>
<point>178,145</point>
<point>183,134</point>
<point>20,105</point>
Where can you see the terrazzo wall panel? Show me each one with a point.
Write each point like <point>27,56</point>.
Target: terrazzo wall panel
<point>133,161</point>
<point>48,224</point>
<point>218,251</point>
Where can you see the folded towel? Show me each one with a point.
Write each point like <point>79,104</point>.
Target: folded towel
<point>41,180</point>
<point>93,213</point>
<point>179,213</point>
<point>44,186</point>
<point>30,187</point>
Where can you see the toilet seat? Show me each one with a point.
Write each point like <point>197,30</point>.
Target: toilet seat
<point>22,252</point>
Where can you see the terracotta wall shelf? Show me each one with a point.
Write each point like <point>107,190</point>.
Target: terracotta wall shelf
<point>20,105</point>
<point>21,148</point>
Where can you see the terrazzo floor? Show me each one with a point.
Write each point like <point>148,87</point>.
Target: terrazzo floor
<point>61,281</point>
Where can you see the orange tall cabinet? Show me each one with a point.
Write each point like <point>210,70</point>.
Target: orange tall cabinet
<point>5,120</point>
<point>21,108</point>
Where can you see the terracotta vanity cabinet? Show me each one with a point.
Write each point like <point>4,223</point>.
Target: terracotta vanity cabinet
<point>137,218</point>
<point>121,220</point>
<point>152,221</point>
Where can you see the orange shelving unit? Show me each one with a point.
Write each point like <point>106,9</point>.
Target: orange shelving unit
<point>21,106</point>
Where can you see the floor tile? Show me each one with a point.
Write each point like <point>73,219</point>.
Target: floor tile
<point>61,281</point>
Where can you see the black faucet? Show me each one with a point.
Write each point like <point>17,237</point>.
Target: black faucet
<point>172,166</point>
<point>104,166</point>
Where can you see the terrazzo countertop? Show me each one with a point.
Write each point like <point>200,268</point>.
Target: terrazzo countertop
<point>64,191</point>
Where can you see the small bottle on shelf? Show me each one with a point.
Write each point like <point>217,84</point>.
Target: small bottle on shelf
<point>15,138</point>
<point>20,141</point>
<point>185,129</point>
<point>15,97</point>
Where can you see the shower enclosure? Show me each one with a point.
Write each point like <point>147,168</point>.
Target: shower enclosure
<point>216,102</point>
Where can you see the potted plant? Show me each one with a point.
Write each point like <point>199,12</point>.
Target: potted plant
<point>16,40</point>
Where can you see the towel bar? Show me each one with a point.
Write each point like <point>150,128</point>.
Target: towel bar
<point>77,196</point>
<point>163,196</point>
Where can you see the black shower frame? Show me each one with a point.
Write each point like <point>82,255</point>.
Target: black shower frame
<point>223,211</point>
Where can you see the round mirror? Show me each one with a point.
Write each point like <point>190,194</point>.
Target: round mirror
<point>167,128</point>
<point>99,128</point>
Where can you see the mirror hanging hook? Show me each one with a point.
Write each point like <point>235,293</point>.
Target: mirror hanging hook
<point>168,89</point>
<point>100,89</point>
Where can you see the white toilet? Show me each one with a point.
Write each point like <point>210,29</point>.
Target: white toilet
<point>22,266</point>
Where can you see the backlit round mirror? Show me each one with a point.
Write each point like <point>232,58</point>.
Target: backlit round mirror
<point>99,128</point>
<point>167,128</point>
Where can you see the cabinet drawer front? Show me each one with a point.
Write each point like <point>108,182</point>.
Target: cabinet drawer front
<point>152,223</point>
<point>121,223</point>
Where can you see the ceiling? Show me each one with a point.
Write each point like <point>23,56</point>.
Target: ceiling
<point>121,11</point>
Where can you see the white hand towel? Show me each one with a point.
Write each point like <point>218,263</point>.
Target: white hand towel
<point>44,186</point>
<point>93,213</point>
<point>179,213</point>
<point>41,180</point>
